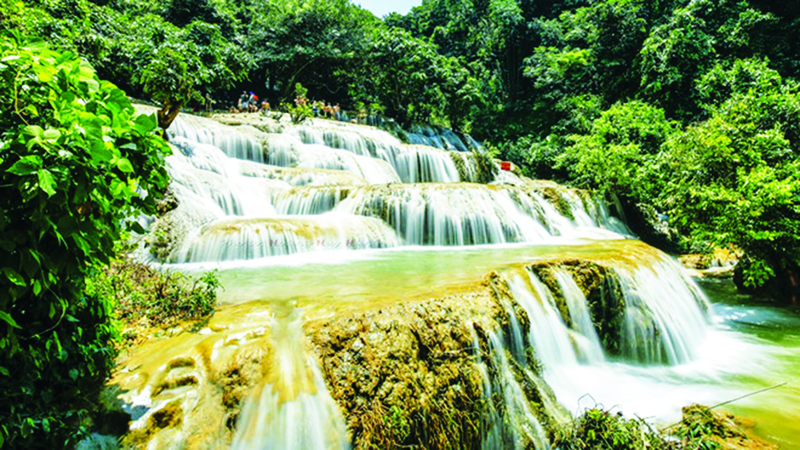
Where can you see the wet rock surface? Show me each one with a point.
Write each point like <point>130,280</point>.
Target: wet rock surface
<point>405,374</point>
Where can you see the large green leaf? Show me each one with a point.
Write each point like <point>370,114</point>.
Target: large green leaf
<point>4,316</point>
<point>28,165</point>
<point>144,124</point>
<point>124,165</point>
<point>46,182</point>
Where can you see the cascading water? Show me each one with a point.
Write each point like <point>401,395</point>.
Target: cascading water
<point>276,189</point>
<point>232,181</point>
<point>411,163</point>
<point>586,340</point>
<point>235,144</point>
<point>242,239</point>
<point>513,425</point>
<point>664,314</point>
<point>310,200</point>
<point>291,408</point>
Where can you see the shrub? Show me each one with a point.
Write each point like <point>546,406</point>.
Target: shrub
<point>76,161</point>
<point>146,297</point>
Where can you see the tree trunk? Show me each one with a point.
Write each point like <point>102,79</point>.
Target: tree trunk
<point>168,112</point>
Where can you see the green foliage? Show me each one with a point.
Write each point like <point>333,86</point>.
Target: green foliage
<point>600,429</point>
<point>140,51</point>
<point>316,43</point>
<point>730,180</point>
<point>398,424</point>
<point>679,51</point>
<point>407,83</point>
<point>76,162</point>
<point>700,426</point>
<point>166,78</point>
<point>618,154</point>
<point>735,181</point>
<point>146,297</point>
<point>302,109</point>
<point>485,168</point>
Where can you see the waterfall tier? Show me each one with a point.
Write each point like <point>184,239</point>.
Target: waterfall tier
<point>466,214</point>
<point>249,238</point>
<point>273,169</point>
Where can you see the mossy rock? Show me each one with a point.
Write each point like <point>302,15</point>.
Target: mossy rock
<point>703,427</point>
<point>460,164</point>
<point>403,379</point>
<point>405,375</point>
<point>554,197</point>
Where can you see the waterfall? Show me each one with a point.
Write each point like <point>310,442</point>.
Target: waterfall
<point>514,424</point>
<point>232,239</point>
<point>291,408</point>
<point>225,172</point>
<point>222,182</point>
<point>591,212</point>
<point>549,337</point>
<point>665,318</point>
<point>246,194</point>
<point>586,339</point>
<point>439,138</point>
<point>288,151</point>
<point>433,214</point>
<point>234,143</point>
<point>464,214</point>
<point>466,166</point>
<point>411,163</point>
<point>310,200</point>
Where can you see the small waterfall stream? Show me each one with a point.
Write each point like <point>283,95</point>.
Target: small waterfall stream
<point>291,408</point>
<point>337,220</point>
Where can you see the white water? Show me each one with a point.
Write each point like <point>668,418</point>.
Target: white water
<point>513,425</point>
<point>234,143</point>
<point>291,409</point>
<point>664,318</point>
<point>586,341</point>
<point>411,163</point>
<point>549,337</point>
<point>231,239</point>
<point>310,200</point>
<point>220,176</point>
<point>665,324</point>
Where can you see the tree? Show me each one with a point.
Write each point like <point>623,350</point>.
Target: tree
<point>317,43</point>
<point>77,163</point>
<point>735,178</point>
<point>167,80</point>
<point>620,153</point>
<point>405,75</point>
<point>695,37</point>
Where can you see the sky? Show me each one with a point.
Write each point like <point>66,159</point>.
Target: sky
<point>382,7</point>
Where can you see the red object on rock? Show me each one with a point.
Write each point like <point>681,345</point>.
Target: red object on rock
<point>505,165</point>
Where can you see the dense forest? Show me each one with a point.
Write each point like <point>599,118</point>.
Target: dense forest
<point>686,111</point>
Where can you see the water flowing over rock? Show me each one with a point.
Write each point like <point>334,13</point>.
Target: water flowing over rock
<point>241,239</point>
<point>291,408</point>
<point>220,173</point>
<point>445,339</point>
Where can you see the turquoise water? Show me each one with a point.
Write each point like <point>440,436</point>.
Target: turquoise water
<point>773,332</point>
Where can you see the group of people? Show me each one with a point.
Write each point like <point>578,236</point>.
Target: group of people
<point>323,109</point>
<point>248,102</point>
